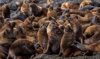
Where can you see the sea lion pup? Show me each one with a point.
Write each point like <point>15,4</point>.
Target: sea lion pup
<point>25,9</point>
<point>67,39</point>
<point>6,39</point>
<point>28,22</point>
<point>42,37</point>
<point>20,33</point>
<point>81,13</point>
<point>90,31</point>
<point>86,19</point>
<point>54,38</point>
<point>6,35</point>
<point>93,39</point>
<point>77,28</point>
<point>66,6</point>
<point>84,3</point>
<point>37,10</point>
<point>5,11</point>
<point>51,12</point>
<point>21,48</point>
<point>27,25</point>
<point>1,22</point>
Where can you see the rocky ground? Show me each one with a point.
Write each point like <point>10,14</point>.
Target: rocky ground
<point>43,56</point>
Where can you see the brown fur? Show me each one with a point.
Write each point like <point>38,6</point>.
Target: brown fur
<point>8,25</point>
<point>41,21</point>
<point>27,25</point>
<point>17,21</point>
<point>81,13</point>
<point>5,11</point>
<point>97,10</point>
<point>66,22</point>
<point>95,38</point>
<point>37,19</point>
<point>66,6</point>
<point>20,33</point>
<point>58,11</point>
<point>50,1</point>
<point>35,9</point>
<point>77,28</point>
<point>86,19</point>
<point>25,9</point>
<point>69,52</point>
<point>84,3</point>
<point>7,37</point>
<point>35,26</point>
<point>60,22</point>
<point>2,55</point>
<point>0,9</point>
<point>30,27</point>
<point>67,39</point>
<point>51,12</point>
<point>21,48</point>
<point>85,26</point>
<point>75,5</point>
<point>54,38</point>
<point>42,37</point>
<point>94,47</point>
<point>90,31</point>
